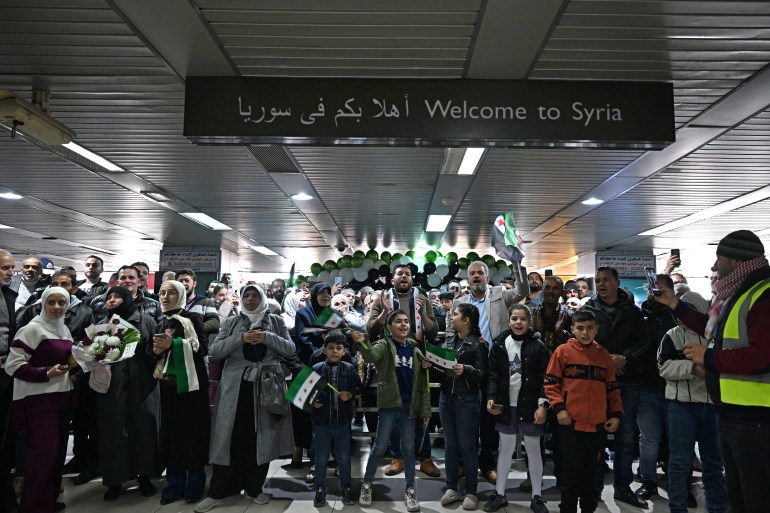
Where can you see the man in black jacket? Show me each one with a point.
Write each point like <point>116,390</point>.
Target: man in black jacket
<point>7,332</point>
<point>623,333</point>
<point>128,276</point>
<point>93,284</point>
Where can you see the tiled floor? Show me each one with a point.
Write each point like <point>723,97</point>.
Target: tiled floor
<point>290,494</point>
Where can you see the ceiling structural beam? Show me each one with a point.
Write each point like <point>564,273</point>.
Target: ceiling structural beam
<point>510,37</point>
<point>283,169</point>
<point>746,101</point>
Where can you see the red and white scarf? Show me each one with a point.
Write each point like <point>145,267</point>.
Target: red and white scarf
<point>726,287</point>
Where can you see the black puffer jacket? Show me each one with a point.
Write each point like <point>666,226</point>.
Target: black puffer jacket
<point>534,362</point>
<point>474,355</point>
<point>622,331</point>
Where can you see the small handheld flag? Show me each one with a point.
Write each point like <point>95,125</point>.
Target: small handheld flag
<point>305,388</point>
<point>506,239</point>
<point>437,355</point>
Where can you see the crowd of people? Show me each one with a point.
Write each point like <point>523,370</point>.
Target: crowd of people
<point>557,366</point>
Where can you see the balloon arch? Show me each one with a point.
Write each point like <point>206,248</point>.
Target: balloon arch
<point>430,269</point>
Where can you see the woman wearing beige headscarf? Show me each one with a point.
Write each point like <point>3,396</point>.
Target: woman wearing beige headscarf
<point>180,345</point>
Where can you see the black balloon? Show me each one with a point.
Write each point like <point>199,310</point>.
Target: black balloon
<point>413,267</point>
<point>429,268</point>
<point>374,273</point>
<point>453,270</point>
<point>384,270</point>
<point>418,278</point>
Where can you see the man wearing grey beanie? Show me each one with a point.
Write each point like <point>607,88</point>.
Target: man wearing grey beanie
<point>737,363</point>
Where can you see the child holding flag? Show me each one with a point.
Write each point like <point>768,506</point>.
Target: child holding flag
<point>518,360</point>
<point>402,397</point>
<point>332,414</point>
<point>464,364</point>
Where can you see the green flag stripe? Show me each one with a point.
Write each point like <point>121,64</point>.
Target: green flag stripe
<point>296,383</point>
<point>446,354</point>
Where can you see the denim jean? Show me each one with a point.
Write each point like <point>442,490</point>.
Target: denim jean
<point>324,437</point>
<point>690,423</point>
<point>651,419</point>
<point>460,419</point>
<point>388,420</point>
<point>625,442</point>
<point>421,444</point>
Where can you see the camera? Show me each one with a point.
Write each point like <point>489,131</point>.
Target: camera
<point>340,247</point>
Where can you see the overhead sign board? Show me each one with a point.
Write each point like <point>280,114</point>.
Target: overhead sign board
<point>502,113</point>
<point>628,266</point>
<point>197,260</point>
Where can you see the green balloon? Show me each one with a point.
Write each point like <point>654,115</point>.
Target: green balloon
<point>385,257</point>
<point>463,263</point>
<point>344,261</point>
<point>298,279</point>
<point>451,258</point>
<point>396,257</point>
<point>357,261</point>
<point>489,260</point>
<point>316,268</point>
<point>431,256</point>
<point>359,253</point>
<point>410,254</point>
<point>473,256</point>
<point>330,265</point>
<point>372,255</point>
<point>500,264</point>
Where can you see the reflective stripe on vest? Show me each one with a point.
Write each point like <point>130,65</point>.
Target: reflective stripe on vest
<point>743,389</point>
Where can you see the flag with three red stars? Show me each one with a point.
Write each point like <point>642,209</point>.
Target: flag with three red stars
<point>304,389</point>
<point>506,239</point>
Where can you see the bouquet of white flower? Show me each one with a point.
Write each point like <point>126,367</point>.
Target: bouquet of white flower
<point>106,343</point>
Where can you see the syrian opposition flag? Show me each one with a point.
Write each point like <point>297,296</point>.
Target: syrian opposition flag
<point>304,389</point>
<point>328,319</point>
<point>506,239</point>
<point>437,355</point>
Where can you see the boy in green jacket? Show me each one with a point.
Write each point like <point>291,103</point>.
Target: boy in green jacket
<point>402,398</point>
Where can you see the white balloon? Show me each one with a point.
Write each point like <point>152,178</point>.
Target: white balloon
<point>378,264</point>
<point>462,274</point>
<point>333,274</point>
<point>368,264</point>
<point>324,276</point>
<point>393,264</point>
<point>441,261</point>
<point>347,275</point>
<point>434,280</point>
<point>420,263</point>
<point>361,274</point>
<point>504,272</point>
<point>442,270</point>
<point>406,260</point>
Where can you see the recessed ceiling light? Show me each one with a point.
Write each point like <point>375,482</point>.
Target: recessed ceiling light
<point>592,201</point>
<point>5,227</point>
<point>207,221</point>
<point>437,223</point>
<point>470,161</point>
<point>301,196</point>
<point>264,250</point>
<point>93,157</point>
<point>10,195</point>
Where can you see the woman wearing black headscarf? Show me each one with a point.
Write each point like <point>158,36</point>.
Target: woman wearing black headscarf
<point>128,409</point>
<point>180,344</point>
<point>320,298</point>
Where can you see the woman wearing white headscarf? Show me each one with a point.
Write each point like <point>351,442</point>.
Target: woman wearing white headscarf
<point>180,347</point>
<point>291,303</point>
<point>43,398</point>
<point>246,436</point>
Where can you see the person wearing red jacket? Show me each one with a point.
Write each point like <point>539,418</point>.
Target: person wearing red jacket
<point>580,387</point>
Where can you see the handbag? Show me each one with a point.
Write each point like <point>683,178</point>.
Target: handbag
<point>272,390</point>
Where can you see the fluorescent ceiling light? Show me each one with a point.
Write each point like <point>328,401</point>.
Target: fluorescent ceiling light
<point>5,227</point>
<point>707,213</point>
<point>301,196</point>
<point>592,201</point>
<point>98,250</point>
<point>470,161</point>
<point>264,250</point>
<point>157,196</point>
<point>93,157</point>
<point>150,240</point>
<point>437,223</point>
<point>207,221</point>
<point>10,195</point>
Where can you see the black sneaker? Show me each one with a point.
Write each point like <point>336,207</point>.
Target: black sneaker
<point>347,496</point>
<point>320,498</point>
<point>495,502</point>
<point>538,505</point>
<point>629,497</point>
<point>310,477</point>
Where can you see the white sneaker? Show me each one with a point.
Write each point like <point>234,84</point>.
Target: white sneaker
<point>365,499</point>
<point>208,504</point>
<point>410,500</point>
<point>450,496</point>
<point>260,499</point>
<point>470,502</point>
